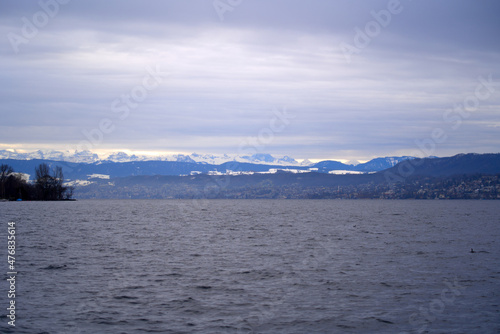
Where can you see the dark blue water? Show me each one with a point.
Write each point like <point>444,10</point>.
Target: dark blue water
<point>155,266</point>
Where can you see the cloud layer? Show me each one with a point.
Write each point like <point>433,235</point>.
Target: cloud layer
<point>359,79</point>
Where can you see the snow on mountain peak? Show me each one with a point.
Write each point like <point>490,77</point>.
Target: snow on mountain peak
<point>82,156</point>
<point>306,163</point>
<point>213,159</point>
<point>353,162</point>
<point>90,157</point>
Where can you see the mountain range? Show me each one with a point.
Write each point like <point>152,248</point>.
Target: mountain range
<point>464,176</point>
<point>90,157</point>
<point>84,166</point>
<point>461,176</point>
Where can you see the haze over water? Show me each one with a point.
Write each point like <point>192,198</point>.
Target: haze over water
<point>253,266</point>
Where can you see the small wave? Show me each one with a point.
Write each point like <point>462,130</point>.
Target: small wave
<point>385,321</point>
<point>124,297</point>
<point>204,287</point>
<point>55,266</point>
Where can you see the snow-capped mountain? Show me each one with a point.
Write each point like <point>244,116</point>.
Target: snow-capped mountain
<point>81,156</point>
<point>259,158</point>
<point>209,159</point>
<point>87,165</point>
<point>212,159</point>
<point>306,163</point>
<point>268,159</point>
<point>122,157</point>
<point>89,157</point>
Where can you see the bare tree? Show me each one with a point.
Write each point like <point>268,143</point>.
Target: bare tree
<point>58,183</point>
<point>42,172</point>
<point>50,187</point>
<point>5,171</point>
<point>69,193</point>
<point>43,181</point>
<point>47,187</point>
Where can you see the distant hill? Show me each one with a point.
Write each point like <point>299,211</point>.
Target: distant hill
<point>391,177</point>
<point>186,166</point>
<point>83,171</point>
<point>461,164</point>
<point>374,165</point>
<point>278,185</point>
<point>461,176</point>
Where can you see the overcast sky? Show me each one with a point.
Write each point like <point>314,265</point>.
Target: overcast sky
<point>317,79</point>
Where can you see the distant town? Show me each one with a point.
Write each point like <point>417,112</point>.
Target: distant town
<point>459,187</point>
<point>272,187</point>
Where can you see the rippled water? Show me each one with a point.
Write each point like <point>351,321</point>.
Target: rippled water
<point>276,266</point>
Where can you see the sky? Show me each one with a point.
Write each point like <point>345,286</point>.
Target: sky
<point>316,79</point>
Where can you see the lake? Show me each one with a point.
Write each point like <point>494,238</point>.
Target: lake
<point>252,266</point>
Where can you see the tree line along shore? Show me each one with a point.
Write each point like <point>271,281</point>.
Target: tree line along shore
<point>47,186</point>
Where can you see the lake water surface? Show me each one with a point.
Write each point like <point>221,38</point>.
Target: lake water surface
<point>253,266</point>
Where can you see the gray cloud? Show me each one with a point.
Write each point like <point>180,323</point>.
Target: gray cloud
<point>222,79</point>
